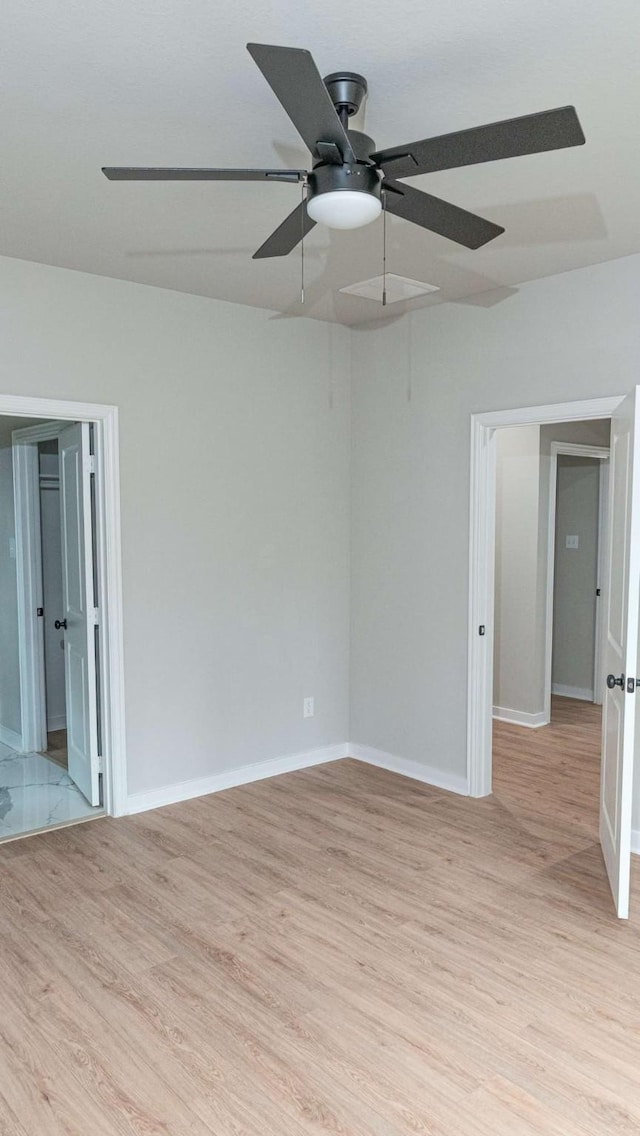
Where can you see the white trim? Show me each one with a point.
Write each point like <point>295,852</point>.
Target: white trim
<point>10,738</point>
<point>576,450</point>
<point>57,722</point>
<point>43,432</point>
<point>602,583</point>
<point>521,717</point>
<point>481,564</point>
<point>259,770</point>
<point>246,774</point>
<point>26,495</point>
<point>481,603</point>
<point>105,420</point>
<point>568,449</point>
<point>452,782</point>
<point>581,692</point>
<point>635,841</point>
<point>550,412</point>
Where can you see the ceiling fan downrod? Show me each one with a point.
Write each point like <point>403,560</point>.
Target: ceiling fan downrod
<point>347,91</point>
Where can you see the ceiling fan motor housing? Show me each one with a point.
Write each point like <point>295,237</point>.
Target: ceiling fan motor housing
<point>360,176</point>
<point>357,177</point>
<point>345,195</point>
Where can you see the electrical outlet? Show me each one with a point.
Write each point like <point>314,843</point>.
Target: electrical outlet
<point>572,542</point>
<point>308,708</point>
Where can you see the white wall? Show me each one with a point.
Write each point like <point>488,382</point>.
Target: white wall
<point>235,472</point>
<point>518,684</point>
<point>416,382</point>
<point>236,563</point>
<point>575,576</point>
<point>10,725</point>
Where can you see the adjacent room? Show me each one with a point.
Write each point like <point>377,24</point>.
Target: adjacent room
<point>552,486</point>
<point>49,648</point>
<point>319,570</point>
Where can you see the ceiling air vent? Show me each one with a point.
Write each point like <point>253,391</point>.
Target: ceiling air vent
<point>398,288</point>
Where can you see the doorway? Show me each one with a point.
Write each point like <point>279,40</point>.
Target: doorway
<point>551,494</point>
<point>62,754</point>
<point>621,615</point>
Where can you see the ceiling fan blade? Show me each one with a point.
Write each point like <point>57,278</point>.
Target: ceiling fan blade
<point>439,216</point>
<point>146,173</point>
<point>295,80</point>
<point>288,234</point>
<point>530,134</point>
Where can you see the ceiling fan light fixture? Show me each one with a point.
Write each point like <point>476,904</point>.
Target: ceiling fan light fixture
<point>344,208</point>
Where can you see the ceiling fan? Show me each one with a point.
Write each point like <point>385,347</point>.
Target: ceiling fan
<point>350,180</point>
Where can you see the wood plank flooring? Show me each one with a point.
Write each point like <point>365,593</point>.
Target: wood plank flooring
<point>338,950</point>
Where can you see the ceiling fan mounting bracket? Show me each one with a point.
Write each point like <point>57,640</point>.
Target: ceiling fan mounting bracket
<point>347,90</point>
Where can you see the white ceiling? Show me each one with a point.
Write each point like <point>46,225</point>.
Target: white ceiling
<point>87,83</point>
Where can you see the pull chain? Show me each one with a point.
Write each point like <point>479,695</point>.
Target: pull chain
<point>302,212</point>
<point>384,249</point>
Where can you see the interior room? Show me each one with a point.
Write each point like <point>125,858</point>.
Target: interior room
<point>41,783</point>
<point>289,344</point>
<point>550,593</point>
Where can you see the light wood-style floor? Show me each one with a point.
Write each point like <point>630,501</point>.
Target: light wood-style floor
<point>333,951</point>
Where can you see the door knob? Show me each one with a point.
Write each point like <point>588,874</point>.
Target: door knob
<point>63,623</point>
<point>613,681</point>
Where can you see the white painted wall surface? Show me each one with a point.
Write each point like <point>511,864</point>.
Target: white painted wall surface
<point>519,624</point>
<point>575,575</point>
<point>9,661</point>
<point>236,551</point>
<point>416,382</point>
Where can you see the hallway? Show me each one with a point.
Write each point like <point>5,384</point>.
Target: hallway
<point>551,776</point>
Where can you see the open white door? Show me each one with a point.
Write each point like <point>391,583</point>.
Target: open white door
<point>620,649</point>
<point>79,611</point>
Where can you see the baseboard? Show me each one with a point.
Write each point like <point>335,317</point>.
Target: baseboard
<point>10,738</point>
<point>635,841</point>
<point>256,771</point>
<point>56,722</point>
<point>413,769</point>
<point>520,718</point>
<point>580,692</point>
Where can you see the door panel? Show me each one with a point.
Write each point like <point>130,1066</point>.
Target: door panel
<point>620,650</point>
<point>77,586</point>
<point>52,596</point>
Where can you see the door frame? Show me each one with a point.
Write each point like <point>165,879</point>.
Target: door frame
<point>26,495</point>
<point>109,570</point>
<point>601,454</point>
<point>482,565</point>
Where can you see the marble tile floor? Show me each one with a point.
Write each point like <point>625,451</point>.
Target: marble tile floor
<point>36,793</point>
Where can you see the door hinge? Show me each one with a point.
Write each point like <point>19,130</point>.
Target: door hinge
<point>597,591</point>
<point>96,616</point>
<point>91,463</point>
<point>100,763</point>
